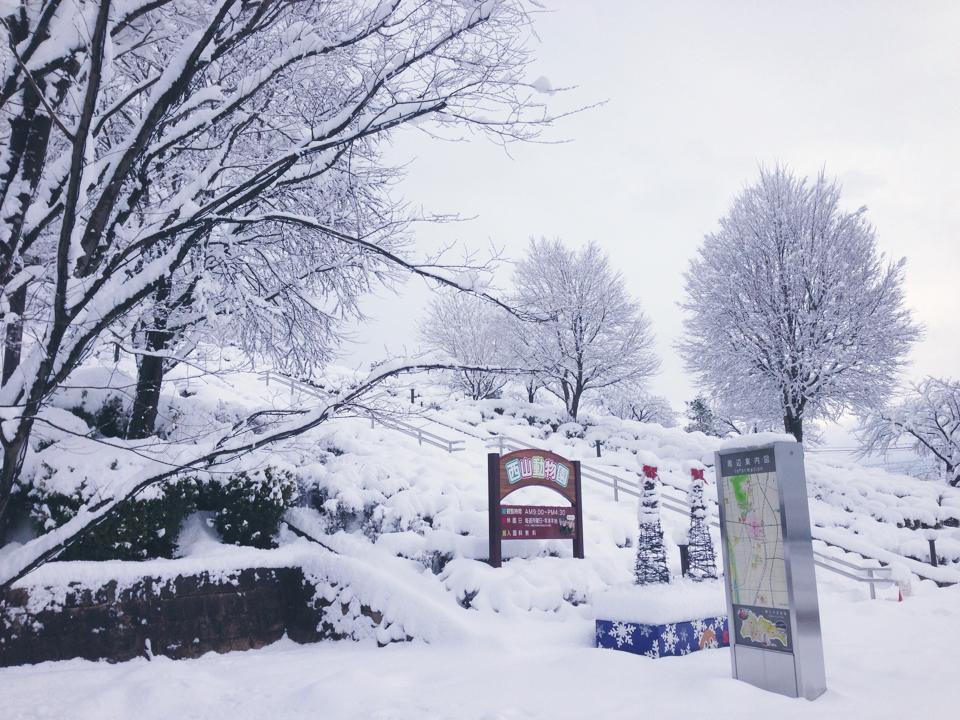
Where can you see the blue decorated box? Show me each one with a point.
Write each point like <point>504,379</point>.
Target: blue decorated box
<point>662,620</point>
<point>679,638</point>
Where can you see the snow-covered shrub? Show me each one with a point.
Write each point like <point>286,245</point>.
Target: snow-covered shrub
<point>346,617</point>
<point>96,395</point>
<point>107,420</point>
<point>21,527</point>
<point>571,430</point>
<point>375,521</point>
<point>369,510</point>
<point>336,515</point>
<point>139,529</point>
<point>247,506</point>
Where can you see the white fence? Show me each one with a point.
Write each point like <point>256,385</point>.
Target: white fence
<point>873,574</point>
<point>672,498</point>
<point>423,437</point>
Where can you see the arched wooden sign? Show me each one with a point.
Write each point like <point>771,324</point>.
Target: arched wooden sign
<point>538,468</point>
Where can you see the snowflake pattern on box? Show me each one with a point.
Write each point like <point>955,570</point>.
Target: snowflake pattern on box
<point>669,639</point>
<point>622,633</point>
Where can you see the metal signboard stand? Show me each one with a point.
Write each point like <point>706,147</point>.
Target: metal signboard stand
<point>769,574</point>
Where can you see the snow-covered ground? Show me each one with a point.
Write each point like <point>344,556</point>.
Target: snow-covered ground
<point>409,525</point>
<point>884,660</point>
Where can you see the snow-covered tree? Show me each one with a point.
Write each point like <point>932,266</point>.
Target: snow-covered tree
<point>472,332</point>
<point>531,383</point>
<point>630,402</point>
<point>702,418</point>
<point>281,297</point>
<point>705,417</point>
<point>592,335</point>
<point>790,303</point>
<point>651,564</point>
<point>700,555</point>
<point>157,156</point>
<point>928,418</point>
<point>518,356</point>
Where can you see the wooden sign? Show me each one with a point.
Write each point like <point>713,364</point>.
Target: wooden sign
<point>533,468</point>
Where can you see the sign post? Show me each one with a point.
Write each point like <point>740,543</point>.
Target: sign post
<point>538,468</point>
<point>769,572</point>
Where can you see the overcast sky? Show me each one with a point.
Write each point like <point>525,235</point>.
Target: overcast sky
<point>698,95</point>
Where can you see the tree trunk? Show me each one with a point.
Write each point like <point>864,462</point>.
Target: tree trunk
<point>574,406</point>
<point>794,426</point>
<point>14,335</point>
<point>150,373</point>
<point>28,141</point>
<point>13,453</point>
<point>149,379</point>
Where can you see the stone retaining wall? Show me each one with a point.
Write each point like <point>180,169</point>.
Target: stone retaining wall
<point>180,618</point>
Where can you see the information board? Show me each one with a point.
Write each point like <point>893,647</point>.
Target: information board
<point>753,536</point>
<point>769,572</point>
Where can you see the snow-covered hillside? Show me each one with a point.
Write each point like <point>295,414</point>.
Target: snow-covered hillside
<point>370,491</point>
<point>863,509</point>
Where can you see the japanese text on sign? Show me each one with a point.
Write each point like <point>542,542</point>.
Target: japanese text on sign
<point>537,522</point>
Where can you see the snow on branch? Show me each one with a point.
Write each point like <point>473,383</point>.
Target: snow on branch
<point>258,430</point>
<point>171,161</point>
<point>928,418</point>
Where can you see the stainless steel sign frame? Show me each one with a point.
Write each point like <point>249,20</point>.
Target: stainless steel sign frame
<point>775,640</point>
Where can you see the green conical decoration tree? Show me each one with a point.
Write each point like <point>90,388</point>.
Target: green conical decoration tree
<point>701,558</point>
<point>651,564</point>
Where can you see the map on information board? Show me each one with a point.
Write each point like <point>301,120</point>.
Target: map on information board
<point>754,543</point>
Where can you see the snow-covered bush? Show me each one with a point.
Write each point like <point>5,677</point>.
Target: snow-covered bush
<point>367,505</point>
<point>108,420</point>
<point>335,515</point>
<point>140,529</point>
<point>570,430</point>
<point>248,506</point>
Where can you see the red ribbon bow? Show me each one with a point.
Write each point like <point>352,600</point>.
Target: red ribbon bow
<point>650,471</point>
<point>697,473</point>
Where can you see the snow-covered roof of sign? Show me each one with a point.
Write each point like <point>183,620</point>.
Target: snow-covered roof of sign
<point>753,440</point>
